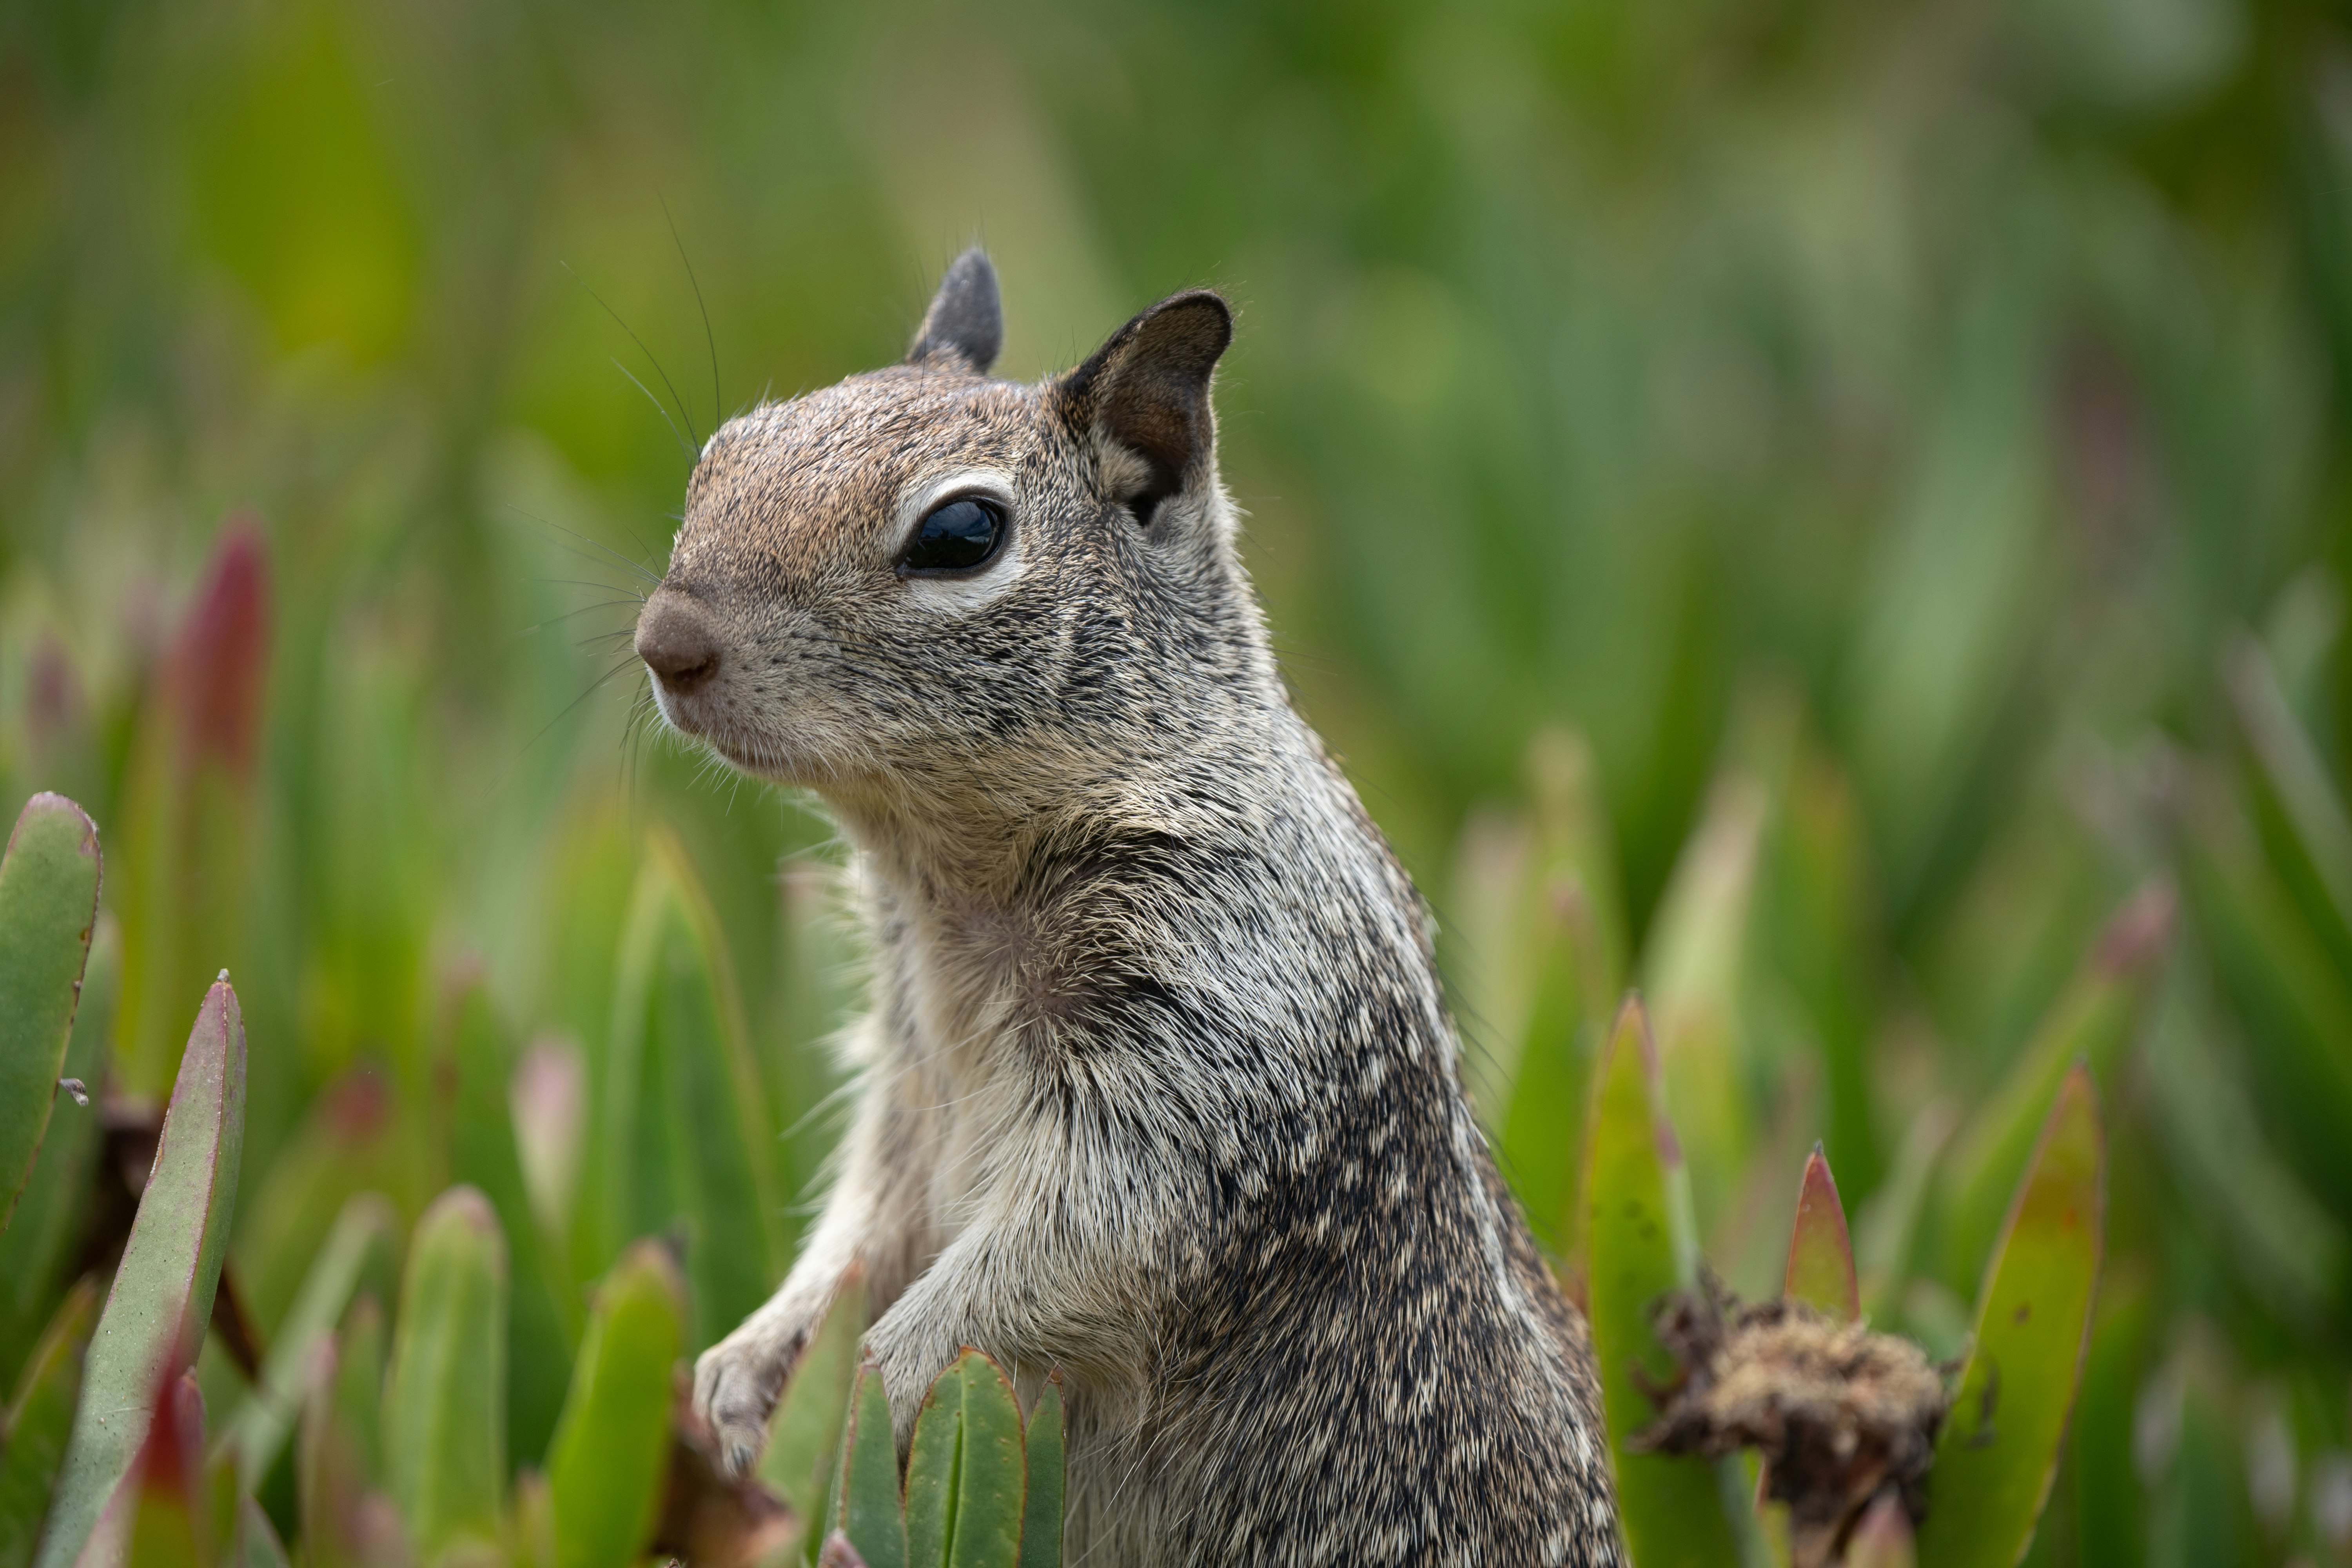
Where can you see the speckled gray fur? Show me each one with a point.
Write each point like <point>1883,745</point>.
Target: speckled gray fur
<point>1157,1082</point>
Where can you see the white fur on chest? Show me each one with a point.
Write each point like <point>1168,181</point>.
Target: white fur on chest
<point>951,1032</point>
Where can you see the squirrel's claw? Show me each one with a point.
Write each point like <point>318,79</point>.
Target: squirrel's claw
<point>736,1383</point>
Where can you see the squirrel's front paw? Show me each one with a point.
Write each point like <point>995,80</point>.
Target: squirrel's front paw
<point>736,1383</point>
<point>908,1360</point>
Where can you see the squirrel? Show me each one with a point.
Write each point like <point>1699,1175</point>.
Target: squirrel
<point>1159,1085</point>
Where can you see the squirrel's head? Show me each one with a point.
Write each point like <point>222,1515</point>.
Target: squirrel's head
<point>923,576</point>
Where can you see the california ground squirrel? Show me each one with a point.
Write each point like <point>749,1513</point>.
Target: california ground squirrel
<point>1158,1084</point>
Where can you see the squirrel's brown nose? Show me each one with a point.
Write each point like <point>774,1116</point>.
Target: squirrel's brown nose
<point>677,640</point>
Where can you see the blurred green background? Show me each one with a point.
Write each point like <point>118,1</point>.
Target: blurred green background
<point>1889,459</point>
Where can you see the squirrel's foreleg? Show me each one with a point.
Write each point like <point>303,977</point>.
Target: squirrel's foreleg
<point>870,1221</point>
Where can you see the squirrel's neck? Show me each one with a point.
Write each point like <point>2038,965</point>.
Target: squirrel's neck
<point>978,837</point>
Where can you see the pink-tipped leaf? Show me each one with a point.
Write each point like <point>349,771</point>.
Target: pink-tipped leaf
<point>1821,1253</point>
<point>162,1293</point>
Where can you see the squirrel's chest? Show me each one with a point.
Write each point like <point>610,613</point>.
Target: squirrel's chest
<point>959,1008</point>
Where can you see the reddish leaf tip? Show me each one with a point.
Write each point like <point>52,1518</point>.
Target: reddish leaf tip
<point>49,803</point>
<point>1821,1249</point>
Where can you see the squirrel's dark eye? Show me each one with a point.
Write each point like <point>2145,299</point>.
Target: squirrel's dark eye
<point>955,537</point>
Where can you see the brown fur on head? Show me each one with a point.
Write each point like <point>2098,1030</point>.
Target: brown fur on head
<point>793,634</point>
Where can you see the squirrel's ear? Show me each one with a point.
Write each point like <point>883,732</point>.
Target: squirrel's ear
<point>1146,390</point>
<point>965,326</point>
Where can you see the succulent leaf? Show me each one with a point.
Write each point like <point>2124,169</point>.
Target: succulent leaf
<point>2089,1026</point>
<point>683,1120</point>
<point>990,1470</point>
<point>480,1127</point>
<point>1693,964</point>
<point>1042,1500</point>
<point>867,1505</point>
<point>444,1394</point>
<point>43,1237</point>
<point>258,1430</point>
<point>37,1421</point>
<point>339,1451</point>
<point>611,1449</point>
<point>162,1292</point>
<point>804,1435</point>
<point>932,1462</point>
<point>1999,1447</point>
<point>1642,1244</point>
<point>49,907</point>
<point>1821,1253</point>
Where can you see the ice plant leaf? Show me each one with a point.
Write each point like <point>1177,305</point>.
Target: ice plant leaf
<point>162,1292</point>
<point>444,1395</point>
<point>1693,962</point>
<point>187,808</point>
<point>1642,1244</point>
<point>1821,1255</point>
<point>33,1429</point>
<point>688,1143</point>
<point>804,1435</point>
<point>932,1463</point>
<point>2090,1024</point>
<point>990,1471</point>
<point>2000,1446</point>
<point>338,1453</point>
<point>49,907</point>
<point>1541,1130</point>
<point>45,1235</point>
<point>478,1124</point>
<point>258,1429</point>
<point>866,1504</point>
<point>1041,1502</point>
<point>611,1450</point>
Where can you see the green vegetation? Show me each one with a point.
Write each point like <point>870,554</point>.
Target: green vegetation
<point>1836,519</point>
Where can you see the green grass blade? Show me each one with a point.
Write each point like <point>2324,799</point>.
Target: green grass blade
<point>41,1241</point>
<point>1999,1447</point>
<point>1042,1501</point>
<point>444,1395</point>
<point>992,1469</point>
<point>162,1292</point>
<point>482,1153</point>
<point>256,1433</point>
<point>867,1505</point>
<point>1642,1244</point>
<point>611,1451</point>
<point>933,1462</point>
<point>2096,1016</point>
<point>48,905</point>
<point>805,1432</point>
<point>38,1419</point>
<point>1821,1253</point>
